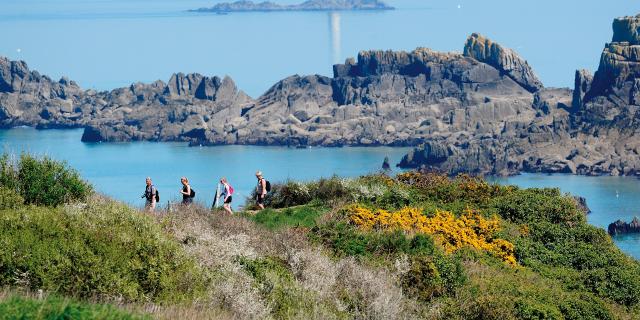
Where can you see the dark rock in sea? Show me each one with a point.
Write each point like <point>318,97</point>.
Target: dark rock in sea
<point>386,166</point>
<point>309,5</point>
<point>581,203</point>
<point>620,227</point>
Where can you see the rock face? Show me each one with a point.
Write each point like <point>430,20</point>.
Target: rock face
<point>621,227</point>
<point>310,5</point>
<point>592,130</point>
<point>504,59</point>
<point>481,112</point>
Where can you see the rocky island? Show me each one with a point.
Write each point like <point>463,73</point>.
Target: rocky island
<point>310,5</point>
<point>620,227</point>
<point>482,111</point>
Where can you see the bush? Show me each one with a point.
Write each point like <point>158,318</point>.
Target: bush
<point>531,205</point>
<point>433,276</point>
<point>302,216</point>
<point>9,199</point>
<point>104,249</point>
<point>345,240</point>
<point>43,181</point>
<point>58,308</point>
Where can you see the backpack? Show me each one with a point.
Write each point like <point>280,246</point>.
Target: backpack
<point>157,196</point>
<point>268,185</point>
<point>193,193</point>
<point>230,189</point>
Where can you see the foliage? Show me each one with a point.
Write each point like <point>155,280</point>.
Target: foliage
<point>532,205</point>
<point>43,181</point>
<point>17,307</point>
<point>302,216</point>
<point>9,199</point>
<point>344,240</point>
<point>103,249</point>
<point>433,276</point>
<point>471,229</point>
<point>277,285</point>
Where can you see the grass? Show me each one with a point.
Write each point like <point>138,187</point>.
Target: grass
<point>300,216</point>
<point>52,307</point>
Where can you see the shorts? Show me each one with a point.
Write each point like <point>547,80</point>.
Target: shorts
<point>229,199</point>
<point>260,199</point>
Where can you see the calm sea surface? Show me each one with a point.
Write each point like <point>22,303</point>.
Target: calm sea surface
<point>119,170</point>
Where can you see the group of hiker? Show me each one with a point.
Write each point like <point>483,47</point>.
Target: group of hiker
<point>152,195</point>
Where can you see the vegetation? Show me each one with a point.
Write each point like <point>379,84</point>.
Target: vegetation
<point>17,307</point>
<point>42,181</point>
<point>418,245</point>
<point>103,249</point>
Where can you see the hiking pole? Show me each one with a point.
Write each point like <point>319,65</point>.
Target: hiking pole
<point>215,200</point>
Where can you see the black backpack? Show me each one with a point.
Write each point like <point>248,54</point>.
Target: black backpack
<point>193,193</point>
<point>268,185</point>
<point>157,196</point>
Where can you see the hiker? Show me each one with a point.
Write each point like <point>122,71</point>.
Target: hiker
<point>187,193</point>
<point>151,194</point>
<point>227,192</point>
<point>261,190</point>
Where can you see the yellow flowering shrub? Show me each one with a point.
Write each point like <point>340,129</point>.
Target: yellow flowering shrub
<point>453,233</point>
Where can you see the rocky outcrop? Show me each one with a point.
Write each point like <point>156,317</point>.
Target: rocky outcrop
<point>620,227</point>
<point>504,59</point>
<point>310,5</point>
<point>482,112</point>
<point>590,130</point>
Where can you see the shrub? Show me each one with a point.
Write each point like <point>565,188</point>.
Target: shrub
<point>531,205</point>
<point>529,309</point>
<point>302,216</point>
<point>43,181</point>
<point>9,199</point>
<point>433,276</point>
<point>471,229</point>
<point>58,308</point>
<point>345,240</point>
<point>104,249</point>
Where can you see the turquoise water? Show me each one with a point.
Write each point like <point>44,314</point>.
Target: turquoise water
<point>105,44</point>
<point>119,170</point>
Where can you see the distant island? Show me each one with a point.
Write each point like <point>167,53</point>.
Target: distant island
<point>310,5</point>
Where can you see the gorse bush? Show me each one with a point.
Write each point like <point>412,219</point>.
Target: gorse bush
<point>42,181</point>
<point>105,249</point>
<point>453,233</point>
<point>17,307</point>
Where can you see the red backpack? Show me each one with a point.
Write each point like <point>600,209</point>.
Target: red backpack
<point>230,189</point>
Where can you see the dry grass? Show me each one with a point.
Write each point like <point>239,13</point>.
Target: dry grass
<point>346,286</point>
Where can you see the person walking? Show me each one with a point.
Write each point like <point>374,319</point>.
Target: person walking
<point>261,190</point>
<point>227,192</point>
<point>151,194</point>
<point>187,193</point>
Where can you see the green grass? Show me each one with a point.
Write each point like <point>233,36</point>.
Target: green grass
<point>301,216</point>
<point>16,307</point>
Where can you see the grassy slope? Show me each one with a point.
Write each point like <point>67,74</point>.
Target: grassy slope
<point>315,256</point>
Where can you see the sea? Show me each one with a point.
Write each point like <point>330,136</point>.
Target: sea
<point>105,44</point>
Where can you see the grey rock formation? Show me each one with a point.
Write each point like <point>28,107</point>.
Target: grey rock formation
<point>504,59</point>
<point>481,112</point>
<point>592,130</point>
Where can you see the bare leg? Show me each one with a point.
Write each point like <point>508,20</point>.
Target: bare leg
<point>227,208</point>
